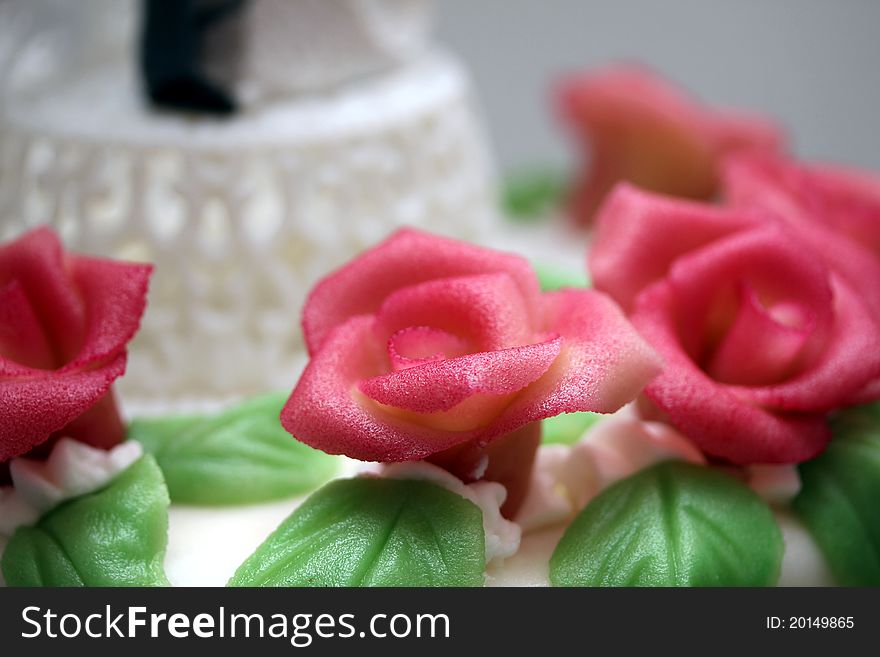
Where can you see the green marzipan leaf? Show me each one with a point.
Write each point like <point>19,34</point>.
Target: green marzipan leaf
<point>865,417</point>
<point>839,501</point>
<point>674,524</point>
<point>568,428</point>
<point>369,531</point>
<point>240,456</point>
<point>554,277</point>
<point>113,537</point>
<point>531,193</point>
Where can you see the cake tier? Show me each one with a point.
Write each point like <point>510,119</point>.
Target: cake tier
<point>290,46</point>
<point>269,48</point>
<point>241,217</point>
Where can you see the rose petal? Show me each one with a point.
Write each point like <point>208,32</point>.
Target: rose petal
<point>72,317</point>
<point>417,345</point>
<point>36,261</point>
<point>844,200</point>
<point>849,361</point>
<point>485,311</point>
<point>604,362</point>
<point>761,180</point>
<point>802,199</point>
<point>744,132</point>
<point>325,411</point>
<point>23,343</point>
<point>33,408</point>
<point>638,127</point>
<point>632,247</point>
<point>870,393</point>
<point>440,385</point>
<point>843,337</point>
<point>615,117</point>
<point>603,365</point>
<point>100,426</point>
<point>712,415</point>
<point>114,297</point>
<point>849,200</point>
<point>707,284</point>
<point>407,258</point>
<point>755,330</point>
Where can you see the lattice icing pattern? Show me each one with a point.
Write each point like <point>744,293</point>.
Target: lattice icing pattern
<point>242,218</point>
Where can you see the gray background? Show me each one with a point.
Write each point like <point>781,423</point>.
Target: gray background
<point>814,64</point>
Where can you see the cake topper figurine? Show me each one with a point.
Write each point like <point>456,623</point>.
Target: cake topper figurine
<point>179,71</point>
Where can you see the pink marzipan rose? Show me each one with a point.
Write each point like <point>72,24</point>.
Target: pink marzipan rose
<point>424,347</point>
<point>65,322</point>
<point>836,210</point>
<point>761,339</point>
<point>634,126</point>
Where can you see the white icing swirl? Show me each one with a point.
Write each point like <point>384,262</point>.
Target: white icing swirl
<point>566,478</point>
<point>72,469</point>
<point>777,484</point>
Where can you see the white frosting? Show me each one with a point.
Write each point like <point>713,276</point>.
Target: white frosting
<point>206,545</point>
<point>100,105</point>
<point>530,566</point>
<point>566,478</point>
<point>502,536</point>
<point>777,484</point>
<point>803,563</point>
<point>72,469</point>
<point>549,500</point>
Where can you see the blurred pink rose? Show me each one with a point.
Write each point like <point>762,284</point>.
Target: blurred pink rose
<point>632,125</point>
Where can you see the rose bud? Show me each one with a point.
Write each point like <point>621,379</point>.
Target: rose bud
<point>65,321</point>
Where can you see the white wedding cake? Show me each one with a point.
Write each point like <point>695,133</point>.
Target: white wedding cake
<point>350,123</point>
<point>340,122</point>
